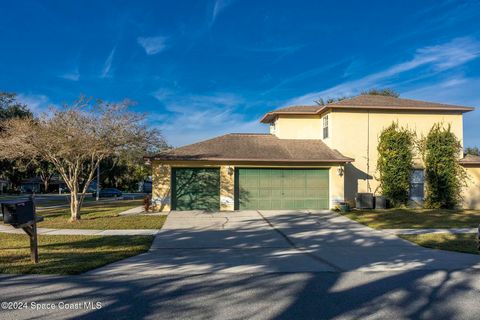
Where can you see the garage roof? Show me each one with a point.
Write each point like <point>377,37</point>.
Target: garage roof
<point>255,148</point>
<point>470,159</point>
<point>367,101</point>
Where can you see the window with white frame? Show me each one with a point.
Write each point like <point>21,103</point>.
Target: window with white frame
<point>325,127</point>
<point>272,128</point>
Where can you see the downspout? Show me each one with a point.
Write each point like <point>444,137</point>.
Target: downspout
<point>369,189</point>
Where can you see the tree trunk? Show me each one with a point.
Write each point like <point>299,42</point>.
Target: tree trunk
<point>74,206</point>
<point>45,186</point>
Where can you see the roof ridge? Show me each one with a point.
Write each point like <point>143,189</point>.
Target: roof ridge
<point>248,134</point>
<point>340,102</point>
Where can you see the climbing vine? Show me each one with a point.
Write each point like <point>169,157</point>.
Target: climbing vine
<point>444,176</point>
<point>395,163</point>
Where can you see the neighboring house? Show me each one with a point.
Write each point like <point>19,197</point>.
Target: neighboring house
<point>35,185</point>
<point>313,158</point>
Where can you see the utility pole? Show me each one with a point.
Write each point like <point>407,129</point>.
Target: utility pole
<point>97,194</point>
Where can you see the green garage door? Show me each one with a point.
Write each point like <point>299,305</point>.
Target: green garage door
<point>270,189</point>
<point>196,189</point>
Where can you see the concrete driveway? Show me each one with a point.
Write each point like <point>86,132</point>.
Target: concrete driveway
<point>279,241</point>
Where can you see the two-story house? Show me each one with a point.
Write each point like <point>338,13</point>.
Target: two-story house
<point>313,158</point>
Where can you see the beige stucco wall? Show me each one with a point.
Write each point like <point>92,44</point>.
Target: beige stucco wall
<point>337,185</point>
<point>355,134</point>
<point>471,194</point>
<point>297,127</point>
<point>227,187</point>
<point>161,186</point>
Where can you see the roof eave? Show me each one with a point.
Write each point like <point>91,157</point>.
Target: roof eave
<point>171,159</point>
<point>474,163</point>
<point>270,116</point>
<point>458,109</point>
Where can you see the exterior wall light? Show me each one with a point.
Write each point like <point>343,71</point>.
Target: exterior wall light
<point>340,171</point>
<point>231,171</point>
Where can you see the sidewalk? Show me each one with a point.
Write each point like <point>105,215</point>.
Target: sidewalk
<point>426,231</point>
<point>86,232</point>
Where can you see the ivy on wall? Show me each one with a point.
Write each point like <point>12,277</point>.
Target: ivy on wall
<point>395,163</point>
<point>444,176</point>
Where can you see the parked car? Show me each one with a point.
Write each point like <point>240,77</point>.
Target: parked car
<point>108,192</point>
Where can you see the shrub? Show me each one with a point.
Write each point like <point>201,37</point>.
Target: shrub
<point>444,176</point>
<point>147,202</point>
<point>395,162</point>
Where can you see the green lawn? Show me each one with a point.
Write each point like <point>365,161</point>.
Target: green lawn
<point>102,216</point>
<point>416,219</point>
<point>58,202</point>
<point>466,243</point>
<point>67,254</point>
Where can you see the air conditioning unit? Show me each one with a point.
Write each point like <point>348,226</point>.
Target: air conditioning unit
<point>364,201</point>
<point>380,202</point>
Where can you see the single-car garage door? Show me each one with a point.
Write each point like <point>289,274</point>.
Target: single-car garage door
<point>196,189</point>
<point>268,189</point>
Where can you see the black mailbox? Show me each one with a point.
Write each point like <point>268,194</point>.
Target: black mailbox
<point>18,212</point>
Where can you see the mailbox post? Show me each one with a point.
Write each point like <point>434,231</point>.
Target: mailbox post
<point>21,214</point>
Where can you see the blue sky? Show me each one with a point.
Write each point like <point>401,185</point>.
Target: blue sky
<point>204,68</point>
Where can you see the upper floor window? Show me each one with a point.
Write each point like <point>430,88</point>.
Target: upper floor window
<point>325,127</point>
<point>272,128</point>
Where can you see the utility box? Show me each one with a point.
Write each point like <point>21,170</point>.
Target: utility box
<point>380,202</point>
<point>18,212</point>
<point>364,201</point>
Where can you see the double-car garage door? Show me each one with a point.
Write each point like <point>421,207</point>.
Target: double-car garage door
<point>268,189</point>
<point>255,188</point>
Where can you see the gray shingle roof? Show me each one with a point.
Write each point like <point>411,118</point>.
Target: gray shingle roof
<point>367,102</point>
<point>296,109</point>
<point>470,159</point>
<point>397,103</point>
<point>253,148</point>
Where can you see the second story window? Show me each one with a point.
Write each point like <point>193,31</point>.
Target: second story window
<point>272,128</point>
<point>325,127</point>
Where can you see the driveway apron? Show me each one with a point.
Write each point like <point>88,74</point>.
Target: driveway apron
<point>195,242</point>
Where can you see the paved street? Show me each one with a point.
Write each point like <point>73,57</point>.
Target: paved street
<point>265,265</point>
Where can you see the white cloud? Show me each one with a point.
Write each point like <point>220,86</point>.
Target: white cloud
<point>218,7</point>
<point>436,58</point>
<point>163,94</point>
<point>72,76</point>
<point>37,103</point>
<point>152,45</point>
<point>194,118</point>
<point>107,66</point>
<point>454,90</point>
